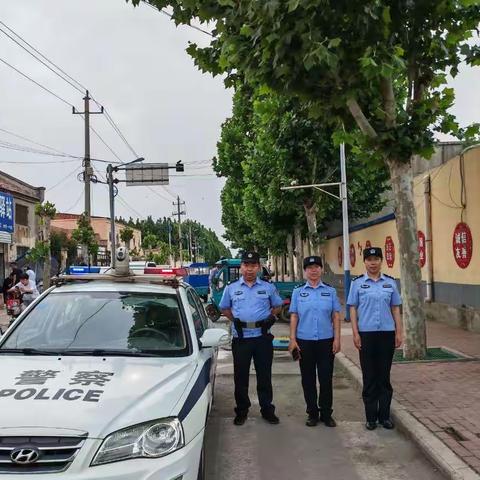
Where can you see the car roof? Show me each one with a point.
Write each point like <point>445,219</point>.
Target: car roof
<point>112,283</point>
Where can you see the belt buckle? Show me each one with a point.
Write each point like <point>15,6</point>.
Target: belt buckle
<point>250,325</point>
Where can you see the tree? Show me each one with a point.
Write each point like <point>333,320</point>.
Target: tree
<point>379,64</point>
<point>42,251</point>
<point>59,242</point>
<point>126,235</point>
<point>85,235</point>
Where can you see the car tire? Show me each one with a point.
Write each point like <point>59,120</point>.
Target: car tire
<point>284,314</point>
<point>201,466</point>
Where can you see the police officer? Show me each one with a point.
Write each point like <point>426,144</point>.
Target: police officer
<point>374,304</point>
<point>251,304</point>
<point>315,339</point>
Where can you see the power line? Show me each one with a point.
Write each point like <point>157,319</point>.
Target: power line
<point>171,16</point>
<point>36,83</point>
<point>76,202</point>
<point>31,141</point>
<point>63,179</point>
<point>34,56</point>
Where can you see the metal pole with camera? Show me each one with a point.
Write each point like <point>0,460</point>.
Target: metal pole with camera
<point>145,174</point>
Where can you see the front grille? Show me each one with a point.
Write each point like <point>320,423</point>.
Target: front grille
<point>55,453</point>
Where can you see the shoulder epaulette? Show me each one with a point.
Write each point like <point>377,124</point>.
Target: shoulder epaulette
<point>327,284</point>
<point>389,276</point>
<point>356,278</point>
<point>299,286</point>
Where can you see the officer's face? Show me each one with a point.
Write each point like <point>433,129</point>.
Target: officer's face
<point>313,272</point>
<point>373,264</point>
<point>249,270</point>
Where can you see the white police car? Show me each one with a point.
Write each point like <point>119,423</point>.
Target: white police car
<point>108,377</point>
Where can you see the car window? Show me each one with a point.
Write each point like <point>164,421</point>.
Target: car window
<point>201,310</point>
<point>234,274</point>
<point>196,313</point>
<point>126,321</point>
<point>221,279</point>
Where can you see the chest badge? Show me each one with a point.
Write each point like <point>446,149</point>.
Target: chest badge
<point>365,286</point>
<point>387,285</point>
<point>304,294</point>
<point>325,294</point>
<point>238,292</point>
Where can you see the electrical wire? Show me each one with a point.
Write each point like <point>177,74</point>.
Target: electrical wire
<point>67,78</point>
<point>34,56</point>
<point>63,179</point>
<point>45,58</point>
<point>171,16</point>
<point>31,141</point>
<point>36,83</point>
<point>76,202</point>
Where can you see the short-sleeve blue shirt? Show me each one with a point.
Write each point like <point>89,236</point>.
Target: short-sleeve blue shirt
<point>250,304</point>
<point>374,300</point>
<point>314,307</point>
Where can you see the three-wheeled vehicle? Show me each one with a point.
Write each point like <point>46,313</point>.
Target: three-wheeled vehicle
<point>229,271</point>
<point>198,278</point>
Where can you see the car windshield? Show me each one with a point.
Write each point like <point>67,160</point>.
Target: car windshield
<point>101,323</point>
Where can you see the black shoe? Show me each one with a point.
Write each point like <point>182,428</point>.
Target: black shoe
<point>239,420</point>
<point>388,424</point>
<point>371,425</point>
<point>311,421</point>
<point>329,422</point>
<point>271,418</point>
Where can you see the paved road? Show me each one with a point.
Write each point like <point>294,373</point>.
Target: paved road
<point>258,451</point>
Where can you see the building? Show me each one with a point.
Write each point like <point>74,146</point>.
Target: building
<point>447,200</point>
<point>18,223</point>
<point>67,222</point>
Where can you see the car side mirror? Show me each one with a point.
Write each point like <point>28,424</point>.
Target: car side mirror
<point>214,337</point>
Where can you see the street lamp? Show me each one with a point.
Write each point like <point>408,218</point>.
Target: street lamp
<point>342,196</point>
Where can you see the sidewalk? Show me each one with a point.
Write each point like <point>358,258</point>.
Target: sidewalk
<point>443,396</point>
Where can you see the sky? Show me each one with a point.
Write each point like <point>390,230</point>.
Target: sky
<point>133,60</point>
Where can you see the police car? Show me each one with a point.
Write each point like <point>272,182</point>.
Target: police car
<point>108,377</point>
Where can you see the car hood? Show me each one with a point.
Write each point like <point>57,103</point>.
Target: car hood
<point>93,395</point>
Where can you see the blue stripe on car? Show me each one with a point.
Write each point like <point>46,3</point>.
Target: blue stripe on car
<point>202,381</point>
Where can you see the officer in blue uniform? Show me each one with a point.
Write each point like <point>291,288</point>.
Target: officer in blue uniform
<point>315,339</point>
<point>251,304</point>
<point>374,304</point>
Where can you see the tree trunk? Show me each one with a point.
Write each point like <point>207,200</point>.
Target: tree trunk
<point>47,263</point>
<point>299,251</point>
<point>311,215</point>
<point>282,267</point>
<point>410,275</point>
<point>291,267</point>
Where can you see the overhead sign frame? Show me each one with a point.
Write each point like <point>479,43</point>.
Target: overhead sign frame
<point>146,174</point>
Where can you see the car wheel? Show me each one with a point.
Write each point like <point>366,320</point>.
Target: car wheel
<point>284,314</point>
<point>201,466</point>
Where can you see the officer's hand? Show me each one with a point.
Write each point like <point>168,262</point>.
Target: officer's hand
<point>398,339</point>
<point>357,341</point>
<point>293,345</point>
<point>336,345</point>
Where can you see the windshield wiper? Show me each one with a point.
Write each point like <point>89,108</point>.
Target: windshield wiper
<point>28,351</point>
<point>99,352</point>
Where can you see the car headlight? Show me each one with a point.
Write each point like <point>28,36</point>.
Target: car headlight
<point>148,440</point>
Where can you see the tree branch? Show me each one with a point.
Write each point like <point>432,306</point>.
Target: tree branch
<point>360,118</point>
<point>388,95</point>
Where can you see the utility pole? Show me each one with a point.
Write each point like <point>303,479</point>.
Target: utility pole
<point>179,214</point>
<point>87,166</point>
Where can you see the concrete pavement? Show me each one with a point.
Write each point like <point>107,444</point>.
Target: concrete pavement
<point>257,450</point>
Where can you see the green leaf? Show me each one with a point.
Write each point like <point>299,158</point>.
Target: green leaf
<point>227,3</point>
<point>334,42</point>
<point>292,5</point>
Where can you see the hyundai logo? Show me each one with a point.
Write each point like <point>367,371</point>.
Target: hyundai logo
<point>24,456</point>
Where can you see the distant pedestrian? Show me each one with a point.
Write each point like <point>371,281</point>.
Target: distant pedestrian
<point>251,305</point>
<point>8,283</point>
<point>374,304</point>
<point>31,274</point>
<point>16,271</point>
<point>315,339</point>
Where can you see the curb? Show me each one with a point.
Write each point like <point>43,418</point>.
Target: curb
<point>438,453</point>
